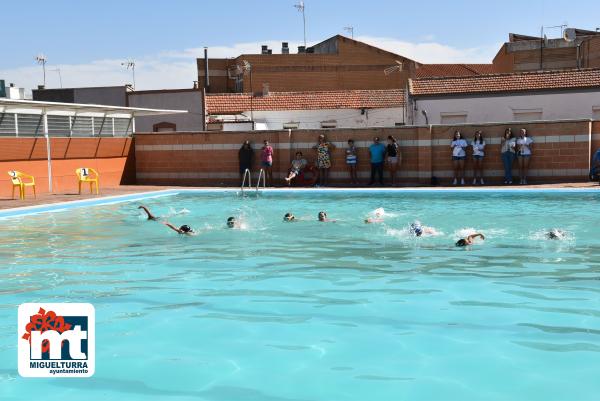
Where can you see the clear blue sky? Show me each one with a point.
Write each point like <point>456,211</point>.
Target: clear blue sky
<point>86,41</point>
<point>80,31</point>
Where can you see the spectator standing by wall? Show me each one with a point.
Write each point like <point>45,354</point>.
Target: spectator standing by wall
<point>393,157</point>
<point>458,146</point>
<point>245,158</point>
<point>377,153</point>
<point>507,152</point>
<point>266,159</point>
<point>524,143</point>
<point>478,146</point>
<point>351,161</point>
<point>324,150</point>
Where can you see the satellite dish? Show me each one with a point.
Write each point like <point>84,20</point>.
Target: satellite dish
<point>570,34</point>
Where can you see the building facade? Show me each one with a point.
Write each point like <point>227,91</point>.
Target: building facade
<point>545,95</point>
<point>306,110</point>
<point>578,48</point>
<point>338,63</point>
<point>171,99</point>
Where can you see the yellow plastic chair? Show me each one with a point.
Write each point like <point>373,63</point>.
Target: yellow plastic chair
<point>85,174</point>
<point>22,181</point>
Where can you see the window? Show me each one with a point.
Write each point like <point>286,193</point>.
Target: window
<point>7,124</point>
<point>329,124</point>
<point>596,112</point>
<point>164,126</point>
<point>59,125</point>
<point>122,126</point>
<point>82,126</point>
<point>453,117</point>
<point>291,125</point>
<point>527,114</point>
<point>30,124</point>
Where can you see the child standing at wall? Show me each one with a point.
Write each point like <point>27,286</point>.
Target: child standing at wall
<point>266,159</point>
<point>351,161</point>
<point>478,146</point>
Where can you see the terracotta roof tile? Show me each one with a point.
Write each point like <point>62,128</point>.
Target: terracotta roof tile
<point>235,103</point>
<point>453,70</point>
<point>543,80</point>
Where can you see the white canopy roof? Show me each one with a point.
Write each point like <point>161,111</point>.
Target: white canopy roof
<point>72,109</point>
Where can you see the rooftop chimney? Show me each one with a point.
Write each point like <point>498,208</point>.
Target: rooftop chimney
<point>264,49</point>
<point>284,48</point>
<point>265,89</point>
<point>206,77</point>
<point>301,49</point>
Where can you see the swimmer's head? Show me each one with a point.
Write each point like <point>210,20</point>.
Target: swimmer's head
<point>289,217</point>
<point>416,229</point>
<point>461,242</point>
<point>231,222</point>
<point>186,229</point>
<point>322,216</point>
<point>555,234</point>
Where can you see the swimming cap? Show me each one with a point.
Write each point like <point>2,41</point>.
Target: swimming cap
<point>416,229</point>
<point>185,228</point>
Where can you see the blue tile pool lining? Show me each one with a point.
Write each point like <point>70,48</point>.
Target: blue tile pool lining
<point>63,206</point>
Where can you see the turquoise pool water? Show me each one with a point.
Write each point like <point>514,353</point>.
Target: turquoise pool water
<point>318,311</point>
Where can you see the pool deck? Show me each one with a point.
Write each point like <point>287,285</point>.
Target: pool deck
<point>46,199</point>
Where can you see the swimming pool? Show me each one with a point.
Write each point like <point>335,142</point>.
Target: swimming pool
<point>318,311</point>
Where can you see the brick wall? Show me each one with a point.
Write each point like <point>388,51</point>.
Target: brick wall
<point>111,157</point>
<point>561,153</point>
<point>355,66</point>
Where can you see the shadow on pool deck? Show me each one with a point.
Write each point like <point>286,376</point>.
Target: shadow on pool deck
<point>8,203</point>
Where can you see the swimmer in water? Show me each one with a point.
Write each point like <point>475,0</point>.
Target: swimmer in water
<point>323,218</point>
<point>150,215</point>
<point>184,229</point>
<point>232,222</point>
<point>289,217</point>
<point>469,240</point>
<point>417,229</point>
<point>377,217</point>
<point>555,234</point>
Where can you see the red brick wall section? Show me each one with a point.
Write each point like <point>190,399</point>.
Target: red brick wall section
<point>561,153</point>
<point>113,158</point>
<point>356,66</point>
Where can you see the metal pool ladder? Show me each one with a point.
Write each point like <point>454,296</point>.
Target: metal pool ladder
<point>249,175</point>
<point>261,174</point>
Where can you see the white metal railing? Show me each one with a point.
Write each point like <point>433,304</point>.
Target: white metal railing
<point>249,175</point>
<point>261,174</point>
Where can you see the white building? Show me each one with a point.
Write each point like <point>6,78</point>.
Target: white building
<point>545,95</point>
<point>306,110</point>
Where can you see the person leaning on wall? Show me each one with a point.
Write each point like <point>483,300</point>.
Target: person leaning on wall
<point>245,158</point>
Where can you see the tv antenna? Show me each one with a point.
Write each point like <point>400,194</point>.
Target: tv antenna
<point>300,8</point>
<point>59,75</point>
<point>130,64</point>
<point>350,30</point>
<point>41,60</point>
<point>246,67</point>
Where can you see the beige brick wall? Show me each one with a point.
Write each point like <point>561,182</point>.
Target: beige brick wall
<point>561,152</point>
